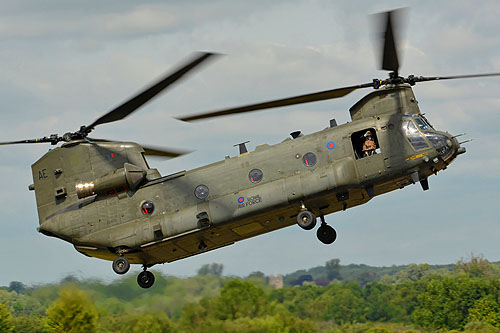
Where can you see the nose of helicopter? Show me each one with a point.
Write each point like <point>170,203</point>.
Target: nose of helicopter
<point>453,148</point>
<point>446,145</point>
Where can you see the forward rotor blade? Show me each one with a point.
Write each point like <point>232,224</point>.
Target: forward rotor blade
<point>307,98</point>
<point>142,98</point>
<point>21,142</point>
<point>151,150</point>
<point>390,36</point>
<point>435,78</point>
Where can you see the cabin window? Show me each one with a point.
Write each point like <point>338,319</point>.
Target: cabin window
<point>255,176</point>
<point>201,192</point>
<point>309,159</point>
<point>365,143</point>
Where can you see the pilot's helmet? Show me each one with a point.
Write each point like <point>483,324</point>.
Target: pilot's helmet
<point>368,133</point>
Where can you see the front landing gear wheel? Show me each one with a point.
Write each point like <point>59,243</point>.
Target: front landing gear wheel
<point>121,265</point>
<point>145,279</point>
<point>306,220</point>
<point>326,234</point>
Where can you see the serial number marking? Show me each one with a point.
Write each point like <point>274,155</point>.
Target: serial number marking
<point>253,200</point>
<point>414,157</point>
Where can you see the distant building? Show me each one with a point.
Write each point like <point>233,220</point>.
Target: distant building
<point>276,281</point>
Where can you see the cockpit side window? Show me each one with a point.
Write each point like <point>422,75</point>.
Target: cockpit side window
<point>414,136</point>
<point>409,127</point>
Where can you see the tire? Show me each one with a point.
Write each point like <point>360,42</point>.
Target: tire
<point>306,220</point>
<point>326,234</point>
<point>145,279</point>
<point>121,265</point>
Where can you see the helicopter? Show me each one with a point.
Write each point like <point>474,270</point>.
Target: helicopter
<point>104,198</point>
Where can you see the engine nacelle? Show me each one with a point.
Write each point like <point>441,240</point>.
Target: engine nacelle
<point>130,176</point>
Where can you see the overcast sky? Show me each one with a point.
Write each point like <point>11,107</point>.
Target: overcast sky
<point>65,63</point>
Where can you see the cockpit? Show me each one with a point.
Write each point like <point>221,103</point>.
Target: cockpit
<point>421,135</point>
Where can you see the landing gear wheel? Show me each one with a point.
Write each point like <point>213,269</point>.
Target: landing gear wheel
<point>306,220</point>
<point>326,234</point>
<point>121,265</point>
<point>145,279</point>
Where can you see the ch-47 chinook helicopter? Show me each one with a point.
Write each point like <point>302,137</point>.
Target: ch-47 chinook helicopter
<point>103,197</point>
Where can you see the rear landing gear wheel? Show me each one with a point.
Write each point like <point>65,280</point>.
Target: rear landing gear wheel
<point>326,234</point>
<point>145,279</point>
<point>306,220</point>
<point>121,265</point>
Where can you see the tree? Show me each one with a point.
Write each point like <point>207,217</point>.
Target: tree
<point>72,312</point>
<point>475,266</point>
<point>29,324</point>
<point>486,309</point>
<point>302,279</point>
<point>333,269</point>
<point>445,303</point>
<point>211,269</point>
<point>17,286</point>
<point>256,275</point>
<point>151,322</point>
<point>5,319</point>
<point>340,303</point>
<point>241,299</point>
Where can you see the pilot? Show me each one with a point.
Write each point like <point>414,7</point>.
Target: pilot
<point>369,145</point>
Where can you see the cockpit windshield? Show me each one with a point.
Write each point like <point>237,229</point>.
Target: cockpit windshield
<point>423,124</point>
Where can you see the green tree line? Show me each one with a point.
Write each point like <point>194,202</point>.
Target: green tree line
<point>417,298</point>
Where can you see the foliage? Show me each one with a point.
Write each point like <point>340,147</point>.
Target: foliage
<point>333,269</point>
<point>448,302</point>
<point>211,269</point>
<point>30,324</point>
<point>151,322</point>
<point>18,287</point>
<point>475,266</point>
<point>407,298</point>
<point>5,319</point>
<point>72,312</point>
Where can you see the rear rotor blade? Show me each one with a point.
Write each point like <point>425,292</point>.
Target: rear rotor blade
<point>142,98</point>
<point>307,98</point>
<point>53,139</point>
<point>151,150</point>
<point>161,152</point>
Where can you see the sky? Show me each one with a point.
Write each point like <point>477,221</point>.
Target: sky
<point>64,64</point>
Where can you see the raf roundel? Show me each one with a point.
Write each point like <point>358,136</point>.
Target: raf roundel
<point>330,145</point>
<point>241,200</point>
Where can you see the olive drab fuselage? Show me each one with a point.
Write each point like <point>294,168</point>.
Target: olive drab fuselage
<point>106,200</point>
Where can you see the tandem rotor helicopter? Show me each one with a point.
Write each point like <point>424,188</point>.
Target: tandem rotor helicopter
<point>104,198</point>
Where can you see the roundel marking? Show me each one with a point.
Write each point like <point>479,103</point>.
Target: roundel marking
<point>241,200</point>
<point>330,145</point>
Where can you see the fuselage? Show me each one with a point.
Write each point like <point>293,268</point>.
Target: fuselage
<point>169,218</point>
